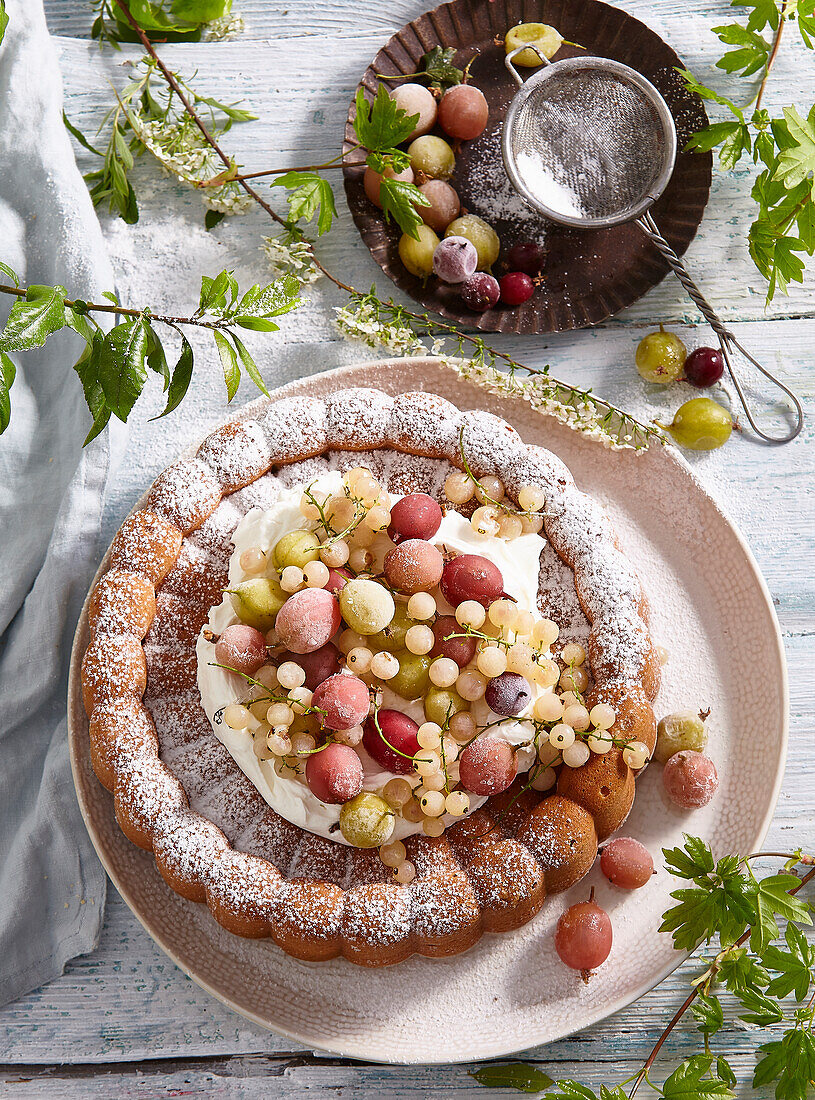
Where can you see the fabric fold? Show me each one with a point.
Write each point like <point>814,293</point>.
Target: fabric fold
<point>52,886</point>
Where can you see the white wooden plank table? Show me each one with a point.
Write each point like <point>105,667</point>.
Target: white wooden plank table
<point>124,1021</point>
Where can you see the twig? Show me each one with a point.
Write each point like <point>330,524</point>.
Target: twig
<point>691,997</point>
<point>126,311</point>
<point>773,52</point>
<point>419,319</point>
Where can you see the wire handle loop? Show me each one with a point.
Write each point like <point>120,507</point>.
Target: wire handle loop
<point>727,341</point>
<point>510,57</point>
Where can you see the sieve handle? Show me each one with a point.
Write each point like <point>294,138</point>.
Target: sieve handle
<point>727,341</point>
<point>516,76</point>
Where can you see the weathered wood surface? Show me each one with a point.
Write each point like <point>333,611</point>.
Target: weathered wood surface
<point>124,1021</point>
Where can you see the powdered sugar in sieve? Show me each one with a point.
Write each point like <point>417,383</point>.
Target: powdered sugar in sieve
<point>590,143</point>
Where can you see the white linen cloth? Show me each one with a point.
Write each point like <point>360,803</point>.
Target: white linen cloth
<point>52,886</point>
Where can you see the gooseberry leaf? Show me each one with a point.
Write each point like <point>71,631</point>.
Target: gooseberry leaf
<point>229,362</point>
<point>180,381</point>
<point>689,1081</point>
<point>381,124</point>
<point>7,374</point>
<point>512,1075</point>
<point>121,365</point>
<point>438,66</point>
<point>397,159</point>
<point>794,968</point>
<point>797,163</point>
<point>400,200</point>
<point>309,194</point>
<point>751,53</point>
<point>790,1062</point>
<point>707,1010</point>
<point>34,318</point>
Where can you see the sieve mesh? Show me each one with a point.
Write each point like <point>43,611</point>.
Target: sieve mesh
<point>589,144</point>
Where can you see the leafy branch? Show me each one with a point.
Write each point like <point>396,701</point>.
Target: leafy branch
<point>783,145</point>
<point>724,903</point>
<point>113,367</point>
<point>150,119</point>
<point>292,256</point>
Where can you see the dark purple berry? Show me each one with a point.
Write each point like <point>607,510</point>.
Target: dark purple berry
<point>508,694</point>
<point>703,367</point>
<point>516,288</point>
<point>525,256</point>
<point>480,292</point>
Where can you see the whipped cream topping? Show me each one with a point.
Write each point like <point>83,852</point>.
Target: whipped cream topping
<point>288,794</point>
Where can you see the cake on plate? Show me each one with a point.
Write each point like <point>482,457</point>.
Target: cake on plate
<point>369,676</point>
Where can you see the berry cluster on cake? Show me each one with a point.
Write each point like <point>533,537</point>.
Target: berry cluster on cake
<point>338,685</point>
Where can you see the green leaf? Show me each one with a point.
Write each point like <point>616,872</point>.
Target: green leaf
<point>10,273</point>
<point>707,1010</point>
<point>309,193</point>
<point>214,293</point>
<point>722,900</point>
<point>200,11</point>
<point>122,370</point>
<point>232,111</point>
<point>382,124</point>
<point>764,13</point>
<point>80,137</point>
<point>213,218</point>
<point>87,367</point>
<point>734,146</point>
<point>574,1090</point>
<point>7,374</point>
<point>725,1071</point>
<point>794,968</point>
<point>693,85</point>
<point>705,140</point>
<point>180,381</point>
<point>797,163</point>
<point>400,199</point>
<point>396,159</point>
<point>438,67</point>
<point>773,899</point>
<point>512,1075</point>
<point>739,971</point>
<point>249,364</point>
<point>758,1008</point>
<point>229,362</point>
<point>790,1062</point>
<point>34,318</point>
<point>280,296</point>
<point>694,860</point>
<point>3,19</point>
<point>688,1081</point>
<point>156,358</point>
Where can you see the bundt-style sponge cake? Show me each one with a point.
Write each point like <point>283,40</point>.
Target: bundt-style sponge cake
<point>178,792</point>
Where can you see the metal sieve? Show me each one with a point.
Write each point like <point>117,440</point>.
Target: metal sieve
<point>590,143</point>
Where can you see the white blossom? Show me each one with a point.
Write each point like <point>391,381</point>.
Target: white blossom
<point>289,255</point>
<point>183,152</point>
<point>228,26</point>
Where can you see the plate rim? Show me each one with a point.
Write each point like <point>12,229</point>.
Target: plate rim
<point>587,316</point>
<point>359,1048</point>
